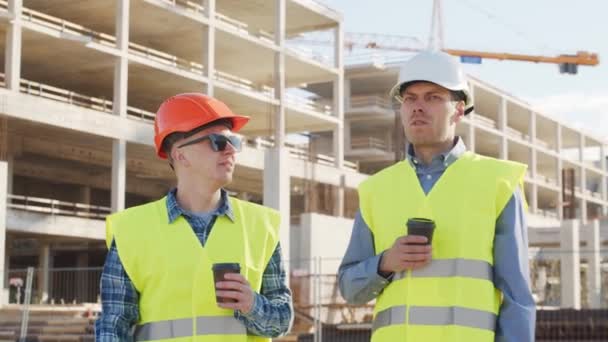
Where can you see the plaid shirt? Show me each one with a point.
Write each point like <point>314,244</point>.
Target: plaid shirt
<point>272,311</point>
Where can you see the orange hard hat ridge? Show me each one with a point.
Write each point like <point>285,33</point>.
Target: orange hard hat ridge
<point>185,112</point>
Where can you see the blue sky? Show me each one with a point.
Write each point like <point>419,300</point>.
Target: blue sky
<point>543,27</point>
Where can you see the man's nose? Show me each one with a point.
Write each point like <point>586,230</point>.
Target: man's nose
<point>230,149</point>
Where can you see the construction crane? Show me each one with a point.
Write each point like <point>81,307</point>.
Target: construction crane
<point>567,63</point>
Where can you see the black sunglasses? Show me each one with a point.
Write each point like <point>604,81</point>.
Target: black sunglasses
<point>218,141</point>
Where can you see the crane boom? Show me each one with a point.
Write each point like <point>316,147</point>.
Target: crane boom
<point>386,42</point>
<point>581,57</point>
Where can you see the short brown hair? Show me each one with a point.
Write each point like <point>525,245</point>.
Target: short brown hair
<point>172,138</point>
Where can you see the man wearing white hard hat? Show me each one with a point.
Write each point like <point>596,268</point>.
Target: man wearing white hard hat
<point>440,240</point>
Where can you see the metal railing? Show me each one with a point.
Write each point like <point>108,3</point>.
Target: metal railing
<point>379,60</point>
<point>77,99</point>
<point>81,32</point>
<point>77,32</point>
<point>244,84</point>
<point>66,96</point>
<point>84,33</point>
<point>371,101</point>
<point>300,151</point>
<point>549,213</point>
<point>68,285</point>
<point>371,143</point>
<point>243,28</point>
<point>513,133</point>
<point>484,121</point>
<point>166,58</point>
<point>547,180</point>
<point>192,6</point>
<point>318,4</point>
<point>322,314</point>
<point>320,106</point>
<point>57,207</point>
<point>104,105</point>
<point>308,53</point>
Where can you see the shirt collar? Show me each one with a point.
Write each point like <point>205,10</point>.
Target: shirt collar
<point>174,210</point>
<point>448,157</point>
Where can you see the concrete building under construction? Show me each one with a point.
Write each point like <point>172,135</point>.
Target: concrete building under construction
<point>81,82</point>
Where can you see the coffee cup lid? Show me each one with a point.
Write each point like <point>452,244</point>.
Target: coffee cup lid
<point>226,266</point>
<point>420,222</point>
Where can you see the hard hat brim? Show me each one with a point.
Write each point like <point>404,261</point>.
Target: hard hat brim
<point>394,93</point>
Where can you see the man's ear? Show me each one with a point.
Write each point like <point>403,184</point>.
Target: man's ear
<point>458,111</point>
<point>178,157</point>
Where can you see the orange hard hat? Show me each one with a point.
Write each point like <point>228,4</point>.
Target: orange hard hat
<point>185,112</point>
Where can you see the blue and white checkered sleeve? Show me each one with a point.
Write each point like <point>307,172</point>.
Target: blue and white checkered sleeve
<point>272,311</point>
<point>119,301</point>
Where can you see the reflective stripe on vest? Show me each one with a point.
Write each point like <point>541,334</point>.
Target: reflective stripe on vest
<point>429,315</point>
<point>467,268</point>
<point>208,325</point>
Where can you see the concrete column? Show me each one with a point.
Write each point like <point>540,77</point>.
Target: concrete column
<point>209,58</point>
<point>560,166</point>
<point>399,139</point>
<point>532,139</point>
<point>541,282</point>
<point>4,153</point>
<point>583,183</point>
<point>594,260</point>
<point>119,174</point>
<point>502,126</point>
<point>471,135</point>
<point>533,201</point>
<point>10,174</point>
<point>348,136</point>
<point>532,128</point>
<point>603,184</point>
<point>570,265</point>
<point>388,138</point>
<point>12,59</point>
<point>85,197</point>
<point>82,277</point>
<point>276,170</point>
<point>121,63</point>
<point>3,249</point>
<point>338,135</point>
<point>339,203</point>
<point>558,138</point>
<point>277,192</point>
<point>85,194</point>
<point>558,144</point>
<point>347,93</point>
<point>279,73</point>
<point>533,163</point>
<point>44,263</point>
<point>119,147</point>
<point>347,98</point>
<point>5,268</point>
<point>339,97</point>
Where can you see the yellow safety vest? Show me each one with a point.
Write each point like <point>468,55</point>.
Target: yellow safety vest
<point>453,298</point>
<point>172,271</point>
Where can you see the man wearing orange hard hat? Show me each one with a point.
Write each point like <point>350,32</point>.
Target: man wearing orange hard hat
<point>196,264</point>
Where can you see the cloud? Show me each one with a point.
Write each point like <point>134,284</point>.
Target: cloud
<point>585,110</point>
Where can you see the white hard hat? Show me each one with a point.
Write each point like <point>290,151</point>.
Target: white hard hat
<point>437,67</point>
